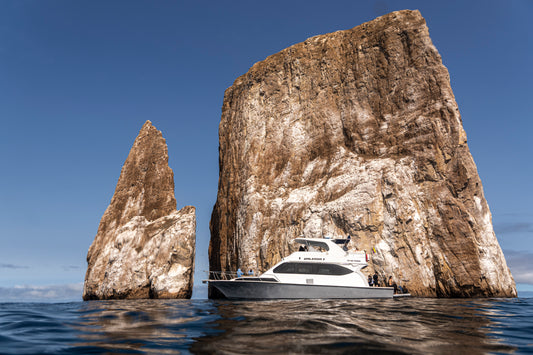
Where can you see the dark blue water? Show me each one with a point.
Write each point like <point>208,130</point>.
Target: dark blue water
<point>414,326</point>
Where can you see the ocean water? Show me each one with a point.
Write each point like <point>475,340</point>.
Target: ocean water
<point>407,325</point>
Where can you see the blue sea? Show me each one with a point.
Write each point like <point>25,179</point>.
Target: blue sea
<point>406,325</point>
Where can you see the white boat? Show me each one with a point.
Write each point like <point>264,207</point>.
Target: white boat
<point>321,269</point>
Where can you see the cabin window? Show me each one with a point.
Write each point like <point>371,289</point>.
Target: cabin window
<point>286,268</point>
<point>304,268</point>
<point>311,268</point>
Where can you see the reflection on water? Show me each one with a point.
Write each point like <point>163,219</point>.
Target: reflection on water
<point>414,326</point>
<point>348,326</point>
<point>145,326</point>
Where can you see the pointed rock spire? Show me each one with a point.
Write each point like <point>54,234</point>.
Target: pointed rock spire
<point>144,248</point>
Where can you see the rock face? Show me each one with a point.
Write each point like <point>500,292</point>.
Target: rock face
<point>356,132</point>
<point>144,247</point>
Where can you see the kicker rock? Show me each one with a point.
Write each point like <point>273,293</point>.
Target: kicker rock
<point>356,132</point>
<point>144,247</point>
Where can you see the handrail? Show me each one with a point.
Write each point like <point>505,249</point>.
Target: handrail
<point>221,275</point>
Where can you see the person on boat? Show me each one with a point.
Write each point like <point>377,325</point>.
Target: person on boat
<point>370,281</point>
<point>239,272</point>
<point>375,279</point>
<point>250,272</point>
<point>391,283</point>
<point>402,289</point>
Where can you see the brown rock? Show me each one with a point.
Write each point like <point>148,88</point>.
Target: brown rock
<point>144,247</point>
<point>356,132</point>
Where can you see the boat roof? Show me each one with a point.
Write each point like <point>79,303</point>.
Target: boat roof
<point>324,243</point>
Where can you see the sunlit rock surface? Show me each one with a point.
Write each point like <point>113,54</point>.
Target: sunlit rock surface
<point>144,247</point>
<point>356,132</point>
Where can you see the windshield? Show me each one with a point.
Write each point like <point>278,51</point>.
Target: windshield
<point>316,244</point>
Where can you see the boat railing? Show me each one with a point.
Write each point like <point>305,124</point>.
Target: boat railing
<point>221,275</point>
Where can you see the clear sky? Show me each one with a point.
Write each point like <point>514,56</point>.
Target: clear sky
<point>79,78</point>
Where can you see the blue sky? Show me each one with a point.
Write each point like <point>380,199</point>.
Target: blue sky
<point>79,78</point>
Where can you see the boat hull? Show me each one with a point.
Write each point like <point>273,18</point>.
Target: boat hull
<point>275,290</point>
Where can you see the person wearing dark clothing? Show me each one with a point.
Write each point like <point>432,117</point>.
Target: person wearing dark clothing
<point>376,281</point>
<point>370,280</point>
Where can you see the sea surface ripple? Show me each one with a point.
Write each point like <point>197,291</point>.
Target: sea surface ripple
<point>408,325</point>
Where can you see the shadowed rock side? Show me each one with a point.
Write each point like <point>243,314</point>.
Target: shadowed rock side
<point>356,132</point>
<point>144,247</point>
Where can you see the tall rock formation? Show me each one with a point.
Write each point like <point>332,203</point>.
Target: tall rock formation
<point>356,132</point>
<point>144,247</point>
